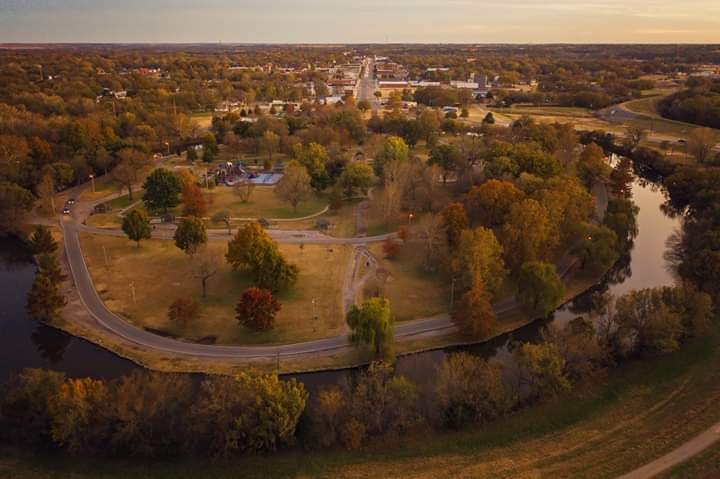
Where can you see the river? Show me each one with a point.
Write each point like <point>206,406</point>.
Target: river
<point>26,343</point>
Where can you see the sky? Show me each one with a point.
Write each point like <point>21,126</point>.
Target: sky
<point>360,21</point>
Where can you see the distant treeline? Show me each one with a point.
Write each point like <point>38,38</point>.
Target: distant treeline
<point>699,104</point>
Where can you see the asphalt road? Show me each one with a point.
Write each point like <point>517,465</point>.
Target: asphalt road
<point>73,224</point>
<point>367,84</point>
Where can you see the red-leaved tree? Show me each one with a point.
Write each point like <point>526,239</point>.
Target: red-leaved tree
<point>257,309</point>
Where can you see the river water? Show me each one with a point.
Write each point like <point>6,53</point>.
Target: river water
<point>26,343</point>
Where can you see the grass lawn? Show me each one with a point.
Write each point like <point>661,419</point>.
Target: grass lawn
<point>548,111</point>
<point>263,203</point>
<point>102,188</point>
<point>162,273</point>
<point>642,410</point>
<point>413,292</point>
<point>645,106</point>
<point>111,218</point>
<point>203,119</point>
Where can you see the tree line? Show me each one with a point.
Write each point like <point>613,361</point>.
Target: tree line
<point>169,415</point>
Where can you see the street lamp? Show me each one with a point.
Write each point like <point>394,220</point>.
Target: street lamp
<point>92,181</point>
<point>168,147</point>
<point>410,217</point>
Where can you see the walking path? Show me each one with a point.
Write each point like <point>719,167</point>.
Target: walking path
<point>677,456</point>
<point>72,225</point>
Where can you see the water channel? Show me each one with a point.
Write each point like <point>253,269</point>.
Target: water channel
<point>25,343</point>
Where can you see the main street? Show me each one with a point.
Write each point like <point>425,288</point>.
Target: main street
<point>367,84</point>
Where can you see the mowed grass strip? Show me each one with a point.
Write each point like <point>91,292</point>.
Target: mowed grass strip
<point>263,203</point>
<point>161,273</point>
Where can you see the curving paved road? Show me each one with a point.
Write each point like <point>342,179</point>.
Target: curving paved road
<point>72,224</point>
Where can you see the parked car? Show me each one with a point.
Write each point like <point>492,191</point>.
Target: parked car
<point>101,208</point>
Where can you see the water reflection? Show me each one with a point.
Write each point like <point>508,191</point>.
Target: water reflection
<point>643,266</point>
<point>50,343</point>
<point>25,343</point>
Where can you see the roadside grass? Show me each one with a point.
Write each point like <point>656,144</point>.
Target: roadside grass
<point>104,220</point>
<point>102,188</point>
<point>343,220</point>
<point>643,409</point>
<point>160,273</point>
<point>645,106</point>
<point>547,111</point>
<point>413,292</point>
<point>112,218</point>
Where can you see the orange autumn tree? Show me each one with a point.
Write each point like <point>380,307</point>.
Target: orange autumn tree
<point>474,314</point>
<point>194,202</point>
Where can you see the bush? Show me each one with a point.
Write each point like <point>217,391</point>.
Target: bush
<point>183,310</point>
<point>352,435</point>
<point>470,389</point>
<point>391,248</point>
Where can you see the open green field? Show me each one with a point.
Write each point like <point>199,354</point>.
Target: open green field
<point>645,106</point>
<point>263,203</point>
<point>111,219</point>
<point>548,111</point>
<point>413,292</point>
<point>161,273</point>
<point>203,119</point>
<point>644,409</point>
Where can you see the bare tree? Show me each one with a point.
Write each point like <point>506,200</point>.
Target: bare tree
<point>294,187</point>
<point>245,189</point>
<point>432,188</point>
<point>223,217</point>
<point>205,265</point>
<point>701,143</point>
<point>396,179</point>
<point>128,170</point>
<point>634,135</point>
<point>430,231</point>
<point>233,143</point>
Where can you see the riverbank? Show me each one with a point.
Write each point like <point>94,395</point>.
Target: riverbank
<point>642,410</point>
<point>84,325</point>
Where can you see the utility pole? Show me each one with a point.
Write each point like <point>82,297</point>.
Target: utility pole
<point>132,290</point>
<point>105,255</point>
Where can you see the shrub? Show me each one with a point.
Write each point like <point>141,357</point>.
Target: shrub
<point>183,310</point>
